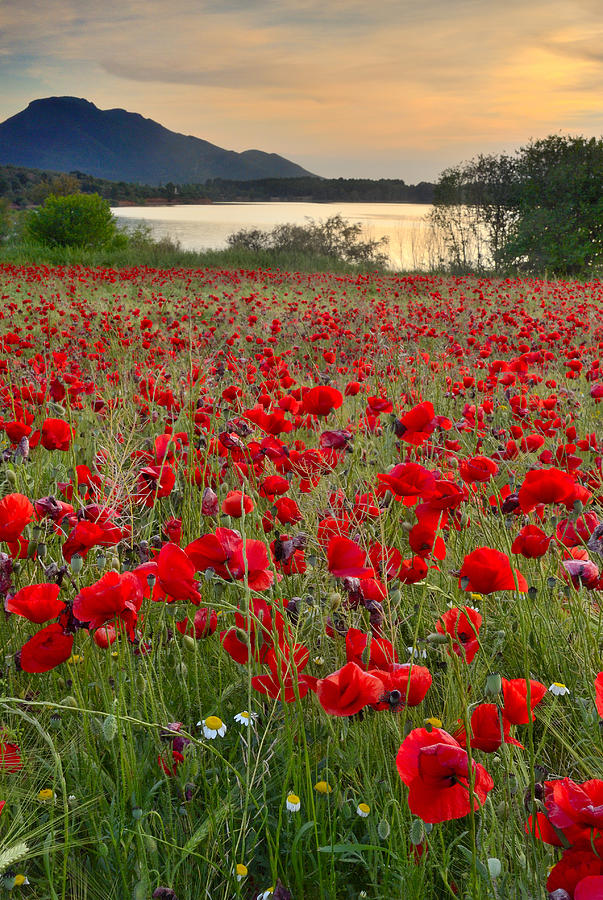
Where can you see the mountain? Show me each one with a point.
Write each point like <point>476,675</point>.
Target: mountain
<point>69,134</point>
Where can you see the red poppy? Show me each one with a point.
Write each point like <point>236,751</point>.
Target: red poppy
<point>409,480</point>
<point>415,426</point>
<point>15,513</point>
<point>463,625</point>
<point>285,673</point>
<point>10,758</point>
<point>477,469</point>
<point>486,570</point>
<point>531,542</point>
<point>575,809</point>
<point>155,482</point>
<point>112,596</point>
<point>287,511</point>
<point>347,560</point>
<point>47,649</point>
<point>599,693</point>
<point>56,434</point>
<point>589,888</point>
<point>435,769</point>
<point>577,864</point>
<point>412,570</point>
<point>515,693</point>
<point>37,602</point>
<point>319,401</point>
<point>204,624</point>
<point>546,486</point>
<point>232,558</point>
<point>347,691</point>
<point>404,684</point>
<point>255,632</point>
<point>489,729</point>
<point>87,535</point>
<point>175,572</point>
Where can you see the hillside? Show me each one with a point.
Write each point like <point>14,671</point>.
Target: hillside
<point>64,134</point>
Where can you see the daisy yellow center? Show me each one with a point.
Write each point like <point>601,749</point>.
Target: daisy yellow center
<point>437,723</point>
<point>241,870</point>
<point>244,714</point>
<point>558,684</point>
<point>46,794</point>
<point>364,807</point>
<point>214,722</point>
<point>19,880</point>
<point>322,787</point>
<point>293,798</point>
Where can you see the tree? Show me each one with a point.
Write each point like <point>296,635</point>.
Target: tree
<point>76,220</point>
<point>538,210</point>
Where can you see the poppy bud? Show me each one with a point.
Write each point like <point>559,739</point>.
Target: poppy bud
<point>493,685</point>
<point>109,728</point>
<point>436,638</point>
<point>136,812</point>
<point>70,702</point>
<point>11,477</point>
<point>189,642</point>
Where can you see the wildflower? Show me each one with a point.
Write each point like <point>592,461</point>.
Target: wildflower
<point>434,722</point>
<point>213,726</point>
<point>293,803</point>
<point>48,648</point>
<point>558,689</point>
<point>318,660</point>
<point>45,794</point>
<point>435,768</point>
<point>245,718</point>
<point>418,654</point>
<point>267,894</point>
<point>323,787</point>
<point>21,879</point>
<point>75,660</point>
<point>241,871</point>
<point>363,809</point>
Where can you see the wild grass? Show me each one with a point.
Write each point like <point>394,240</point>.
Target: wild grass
<point>90,732</point>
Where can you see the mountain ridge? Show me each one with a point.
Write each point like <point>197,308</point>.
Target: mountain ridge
<point>73,134</point>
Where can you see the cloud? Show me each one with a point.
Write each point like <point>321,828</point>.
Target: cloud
<point>349,82</point>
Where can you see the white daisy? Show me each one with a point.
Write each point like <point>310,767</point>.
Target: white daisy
<point>293,803</point>
<point>245,717</point>
<point>212,727</point>
<point>558,689</point>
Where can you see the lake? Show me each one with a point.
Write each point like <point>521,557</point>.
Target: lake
<point>411,244</point>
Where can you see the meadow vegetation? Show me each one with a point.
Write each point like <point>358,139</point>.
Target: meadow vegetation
<point>302,584</point>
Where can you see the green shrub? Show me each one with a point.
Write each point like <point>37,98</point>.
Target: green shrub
<point>75,220</point>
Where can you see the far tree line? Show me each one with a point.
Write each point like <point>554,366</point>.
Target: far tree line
<point>538,210</point>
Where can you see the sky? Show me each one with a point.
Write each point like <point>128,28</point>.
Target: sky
<point>345,88</point>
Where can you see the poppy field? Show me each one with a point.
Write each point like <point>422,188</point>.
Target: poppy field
<point>302,586</point>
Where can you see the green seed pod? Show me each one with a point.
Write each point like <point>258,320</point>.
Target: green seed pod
<point>150,843</point>
<point>436,638</point>
<point>109,728</point>
<point>70,702</point>
<point>383,829</point>
<point>41,551</point>
<point>141,891</point>
<point>31,549</point>
<point>189,643</point>
<point>493,685</point>
<point>136,812</point>
<point>417,832</point>
<point>494,867</point>
<point>77,564</point>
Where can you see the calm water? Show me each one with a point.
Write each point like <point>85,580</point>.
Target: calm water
<point>206,227</point>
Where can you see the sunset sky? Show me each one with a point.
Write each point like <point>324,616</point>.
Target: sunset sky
<point>392,89</point>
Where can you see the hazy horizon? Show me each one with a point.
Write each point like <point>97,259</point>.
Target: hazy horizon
<point>342,89</point>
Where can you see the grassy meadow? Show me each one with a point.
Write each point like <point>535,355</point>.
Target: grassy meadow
<point>252,501</point>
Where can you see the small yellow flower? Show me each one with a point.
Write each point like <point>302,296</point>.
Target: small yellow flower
<point>46,794</point>
<point>75,660</point>
<point>363,809</point>
<point>323,787</point>
<point>293,803</point>
<point>114,654</point>
<point>241,871</point>
<point>476,597</point>
<point>435,723</point>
